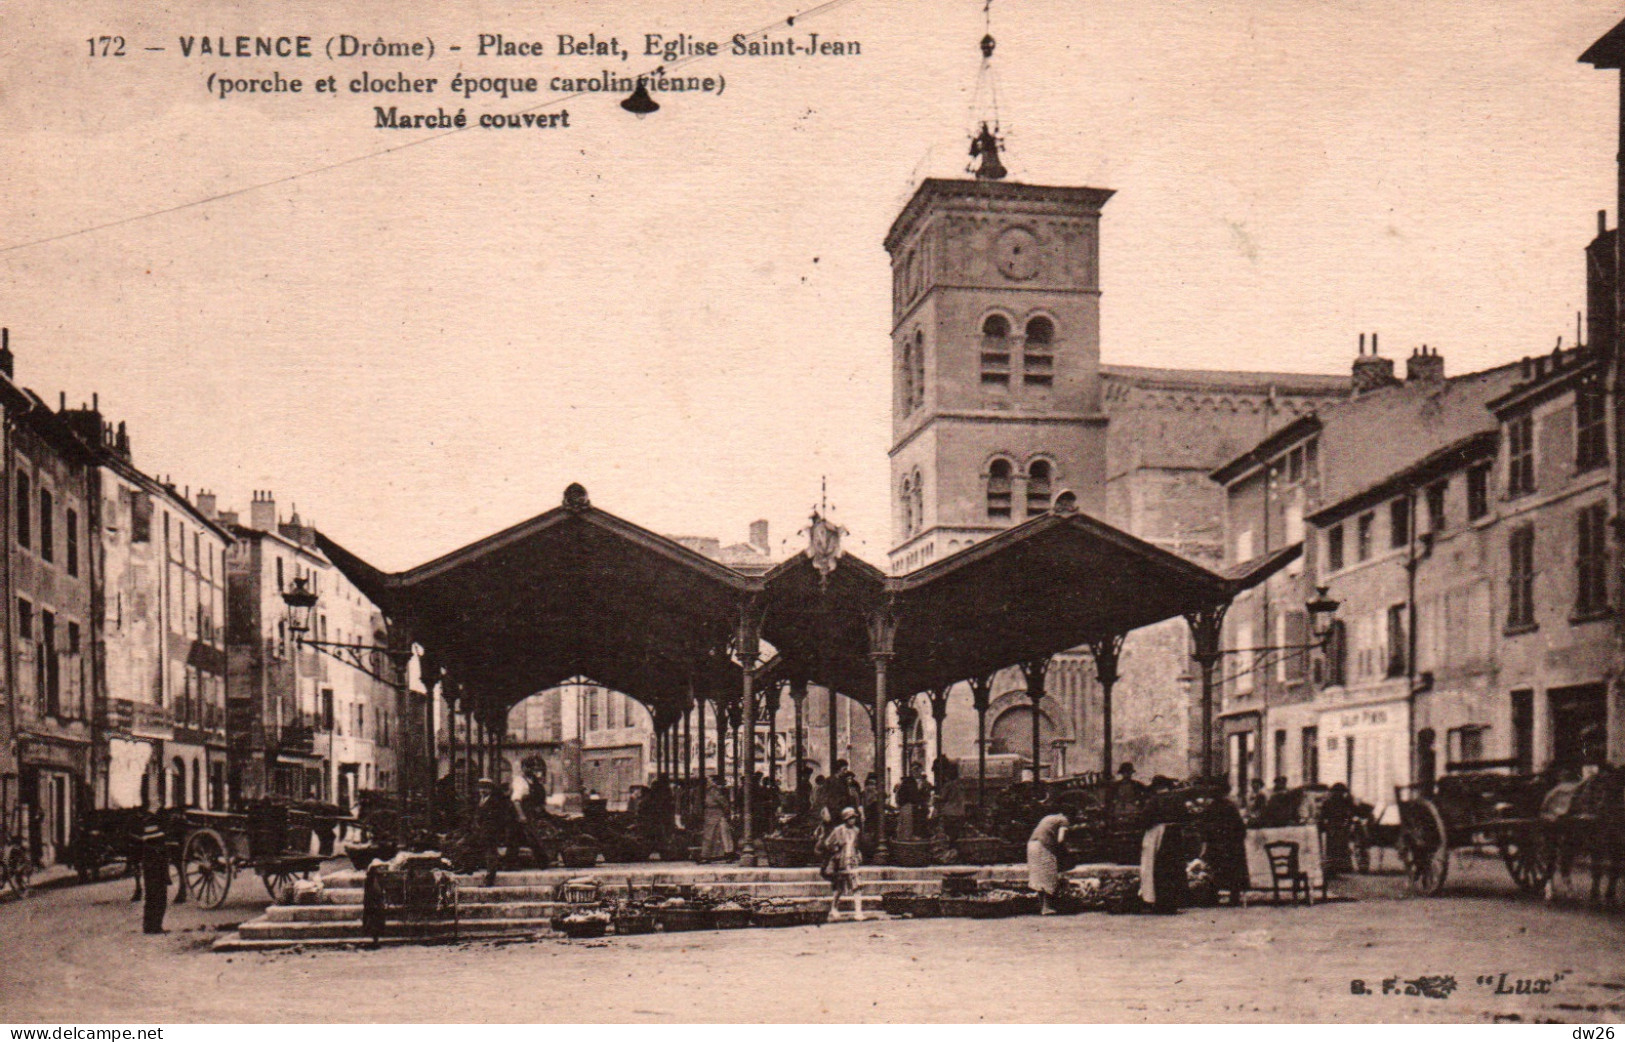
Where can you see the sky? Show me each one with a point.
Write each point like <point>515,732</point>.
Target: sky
<point>688,313</point>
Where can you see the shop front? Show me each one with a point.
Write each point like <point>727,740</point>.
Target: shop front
<point>1367,748</point>
<point>53,789</point>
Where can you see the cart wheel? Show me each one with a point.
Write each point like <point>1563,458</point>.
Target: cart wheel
<point>18,871</point>
<point>279,883</point>
<point>1427,844</point>
<point>206,869</point>
<point>1529,859</point>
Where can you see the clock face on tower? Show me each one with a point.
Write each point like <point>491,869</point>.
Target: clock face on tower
<point>1016,253</point>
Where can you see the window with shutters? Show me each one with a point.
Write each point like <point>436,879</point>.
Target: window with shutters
<point>1591,561</point>
<point>1038,354</point>
<point>25,511</point>
<point>1038,487</point>
<point>1520,456</point>
<point>996,351</point>
<point>1591,427</point>
<point>1478,492</point>
<point>1521,579</point>
<point>1334,548</point>
<point>998,488</point>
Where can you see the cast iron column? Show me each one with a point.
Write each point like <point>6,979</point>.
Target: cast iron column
<point>749,650</point>
<point>834,738</point>
<point>770,703</point>
<point>939,713</point>
<point>980,689</point>
<point>798,695</point>
<point>1206,625</point>
<point>1106,651</point>
<point>907,717</point>
<point>1034,670</point>
<point>882,647</point>
<point>688,741</point>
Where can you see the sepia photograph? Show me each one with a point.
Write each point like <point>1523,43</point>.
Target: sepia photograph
<point>780,512</point>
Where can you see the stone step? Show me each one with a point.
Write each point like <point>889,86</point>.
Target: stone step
<point>350,929</point>
<point>676,875</point>
<point>478,895</point>
<point>342,913</point>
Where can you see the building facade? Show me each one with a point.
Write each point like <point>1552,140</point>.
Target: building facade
<point>157,633</point>
<point>50,712</point>
<point>304,724</point>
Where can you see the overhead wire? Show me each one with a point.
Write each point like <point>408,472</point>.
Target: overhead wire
<point>786,22</point>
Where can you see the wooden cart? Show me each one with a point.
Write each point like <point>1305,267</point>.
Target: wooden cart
<point>271,840</point>
<point>1484,806</point>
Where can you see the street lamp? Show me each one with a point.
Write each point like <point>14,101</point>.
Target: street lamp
<point>1322,610</point>
<point>301,602</point>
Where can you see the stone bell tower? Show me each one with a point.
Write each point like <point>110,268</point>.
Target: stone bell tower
<point>996,405</point>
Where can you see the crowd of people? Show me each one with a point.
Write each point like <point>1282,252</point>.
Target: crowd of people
<point>1183,823</point>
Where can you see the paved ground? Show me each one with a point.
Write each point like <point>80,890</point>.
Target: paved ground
<point>75,954</point>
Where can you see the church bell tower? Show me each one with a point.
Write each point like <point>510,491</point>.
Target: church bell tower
<point>996,405</point>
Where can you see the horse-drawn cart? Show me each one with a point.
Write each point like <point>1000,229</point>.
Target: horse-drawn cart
<point>272,840</point>
<point>1478,806</point>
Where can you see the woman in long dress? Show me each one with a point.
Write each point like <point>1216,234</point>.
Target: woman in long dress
<point>718,843</point>
<point>1162,862</point>
<point>1224,838</point>
<point>1043,856</point>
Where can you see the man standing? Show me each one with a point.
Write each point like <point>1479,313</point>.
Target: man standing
<point>154,878</point>
<point>493,821</point>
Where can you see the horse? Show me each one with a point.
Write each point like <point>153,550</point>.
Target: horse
<point>1590,824</point>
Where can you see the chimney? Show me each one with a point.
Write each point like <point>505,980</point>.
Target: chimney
<point>1600,287</point>
<point>8,364</point>
<point>206,504</point>
<point>1371,371</point>
<point>262,512</point>
<point>758,537</point>
<point>1424,366</point>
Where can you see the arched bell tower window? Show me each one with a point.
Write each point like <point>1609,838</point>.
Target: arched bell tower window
<point>1038,353</point>
<point>906,496</point>
<point>996,351</point>
<point>919,501</point>
<point>1040,476</point>
<point>905,376</point>
<point>919,369</point>
<point>998,488</point>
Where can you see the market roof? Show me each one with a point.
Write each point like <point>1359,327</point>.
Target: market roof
<point>578,591</point>
<point>1609,50</point>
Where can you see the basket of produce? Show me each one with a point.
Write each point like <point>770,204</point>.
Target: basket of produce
<point>682,917</point>
<point>579,855</point>
<point>790,851</point>
<point>1001,904</point>
<point>979,850</point>
<point>582,925</point>
<point>897,902</point>
<point>577,892</point>
<point>628,921</point>
<point>957,907</point>
<point>362,855</point>
<point>730,915</point>
<point>926,906</point>
<point>781,913</point>
<point>913,853</point>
